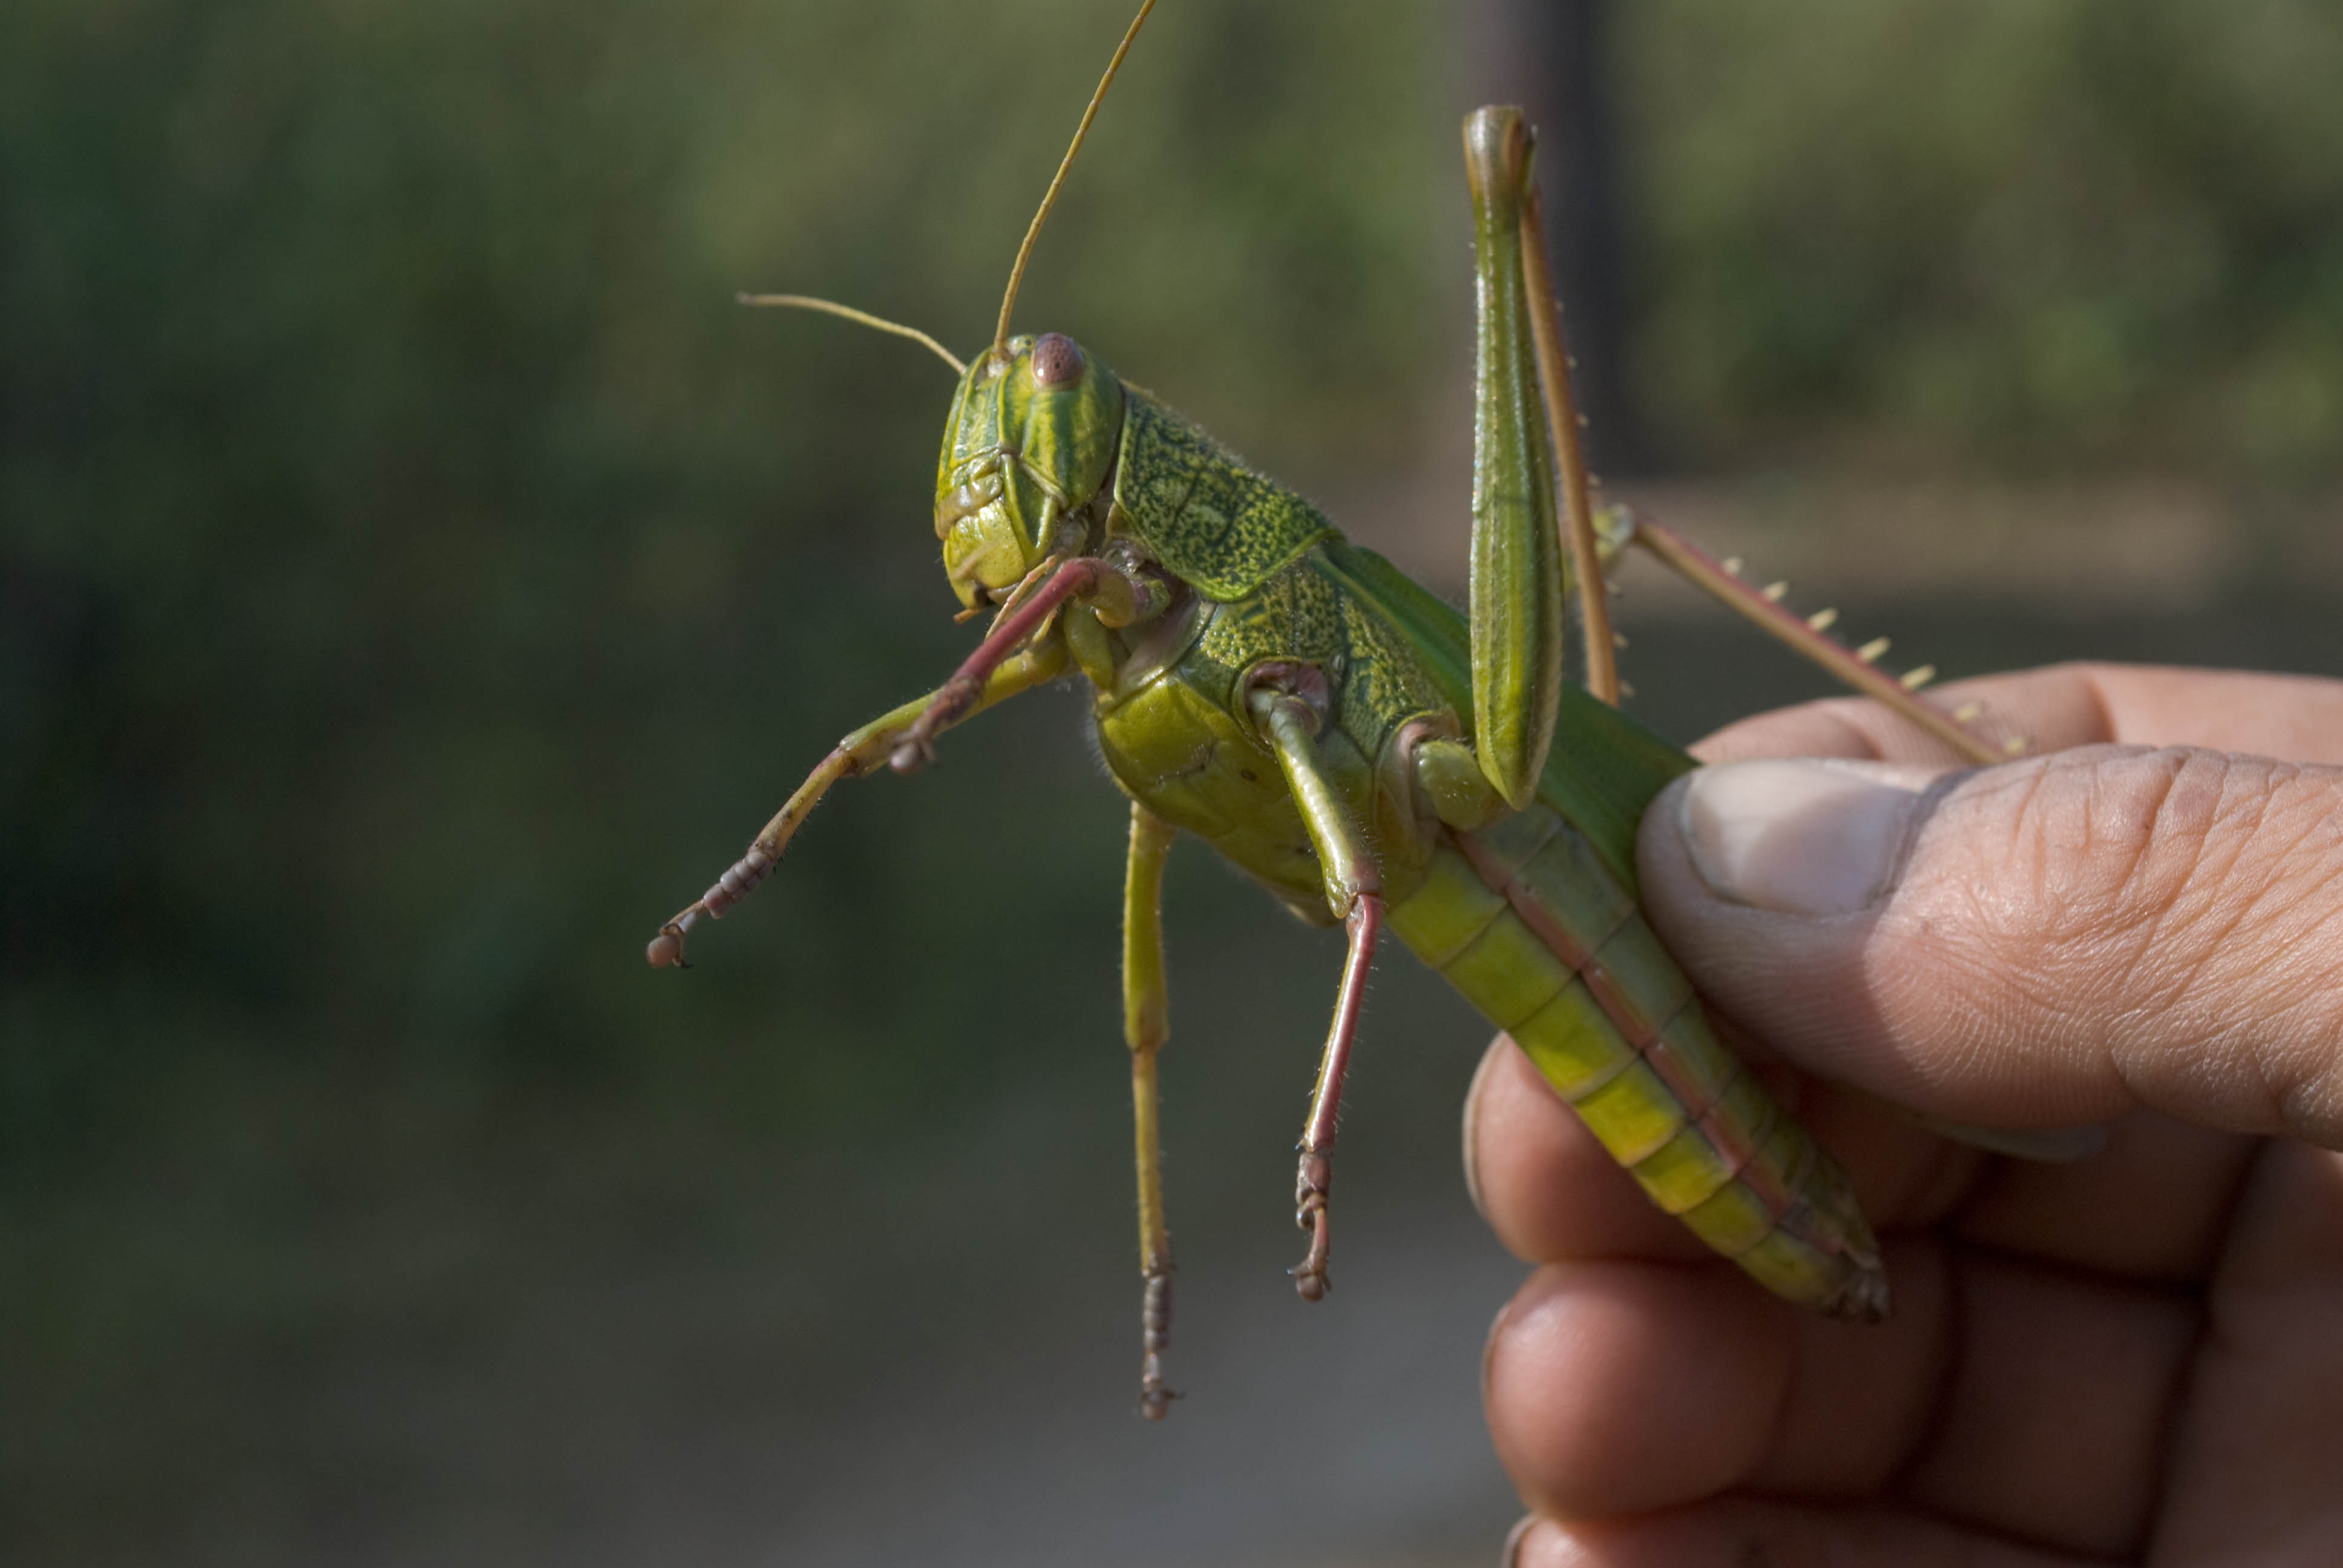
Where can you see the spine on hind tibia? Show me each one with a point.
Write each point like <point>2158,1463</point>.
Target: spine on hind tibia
<point>1524,918</point>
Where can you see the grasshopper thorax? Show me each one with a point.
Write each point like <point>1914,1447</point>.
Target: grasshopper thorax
<point>1028,447</point>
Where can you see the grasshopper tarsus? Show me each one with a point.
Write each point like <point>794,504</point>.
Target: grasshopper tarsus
<point>1311,1184</point>
<point>666,950</point>
<point>738,880</point>
<point>1310,1280</point>
<point>1314,1176</point>
<point>1155,1396</point>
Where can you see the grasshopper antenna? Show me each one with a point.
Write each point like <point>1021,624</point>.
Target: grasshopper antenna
<point>1050,197</point>
<point>863,318</point>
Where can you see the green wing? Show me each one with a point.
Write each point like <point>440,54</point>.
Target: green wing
<point>1604,768</point>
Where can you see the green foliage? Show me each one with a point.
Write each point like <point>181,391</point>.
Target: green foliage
<point>2064,233</point>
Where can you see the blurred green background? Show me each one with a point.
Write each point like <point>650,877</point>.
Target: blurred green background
<point>418,579</point>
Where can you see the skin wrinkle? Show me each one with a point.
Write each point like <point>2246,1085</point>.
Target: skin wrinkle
<point>2144,812</point>
<point>2166,1217</point>
<point>2147,854</point>
<point>2283,1082</point>
<point>2305,800</point>
<point>2238,904</point>
<point>2220,904</point>
<point>1906,962</point>
<point>2249,1287</point>
<point>1952,1178</point>
<point>2158,972</point>
<point>2318,1014</point>
<point>2019,825</point>
<point>1919,1262</point>
<point>1887,963</point>
<point>2223,1214</point>
<point>2178,1399</point>
<point>2310,1019</point>
<point>2170,1409</point>
<point>2128,819</point>
<point>2205,876</point>
<point>2094,693</point>
<point>1853,733</point>
<point>1949,1353</point>
<point>1954,1349</point>
<point>2212,940</point>
<point>2310,1102</point>
<point>2216,907</point>
<point>2169,1343</point>
<point>1974,1020</point>
<point>2221,1344</point>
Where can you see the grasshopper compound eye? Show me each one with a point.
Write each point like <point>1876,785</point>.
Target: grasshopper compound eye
<point>1056,362</point>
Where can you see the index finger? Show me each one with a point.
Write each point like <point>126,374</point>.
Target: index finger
<point>2295,716</point>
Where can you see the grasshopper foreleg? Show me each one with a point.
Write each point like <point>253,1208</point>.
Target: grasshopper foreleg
<point>1146,1025</point>
<point>859,753</point>
<point>1290,721</point>
<point>1120,598</point>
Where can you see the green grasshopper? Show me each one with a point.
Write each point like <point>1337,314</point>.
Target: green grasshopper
<point>1372,758</point>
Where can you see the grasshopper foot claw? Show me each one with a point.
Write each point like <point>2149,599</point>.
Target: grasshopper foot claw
<point>1154,1399</point>
<point>1310,1280</point>
<point>948,707</point>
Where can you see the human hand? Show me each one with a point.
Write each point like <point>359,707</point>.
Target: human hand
<point>2138,1356</point>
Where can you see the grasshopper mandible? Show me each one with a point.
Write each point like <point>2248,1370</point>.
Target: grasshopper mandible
<point>1372,758</point>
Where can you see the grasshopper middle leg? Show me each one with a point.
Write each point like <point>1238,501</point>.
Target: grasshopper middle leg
<point>1290,721</point>
<point>1146,1025</point>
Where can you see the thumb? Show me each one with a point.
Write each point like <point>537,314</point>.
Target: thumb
<point>2050,942</point>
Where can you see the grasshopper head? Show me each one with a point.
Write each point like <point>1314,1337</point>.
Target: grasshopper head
<point>1028,445</point>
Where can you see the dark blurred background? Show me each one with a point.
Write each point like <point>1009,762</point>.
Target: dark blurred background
<point>418,579</point>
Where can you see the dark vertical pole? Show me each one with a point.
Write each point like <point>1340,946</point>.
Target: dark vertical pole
<point>1554,58</point>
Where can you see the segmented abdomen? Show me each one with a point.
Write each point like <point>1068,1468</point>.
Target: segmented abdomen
<point>1525,920</point>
